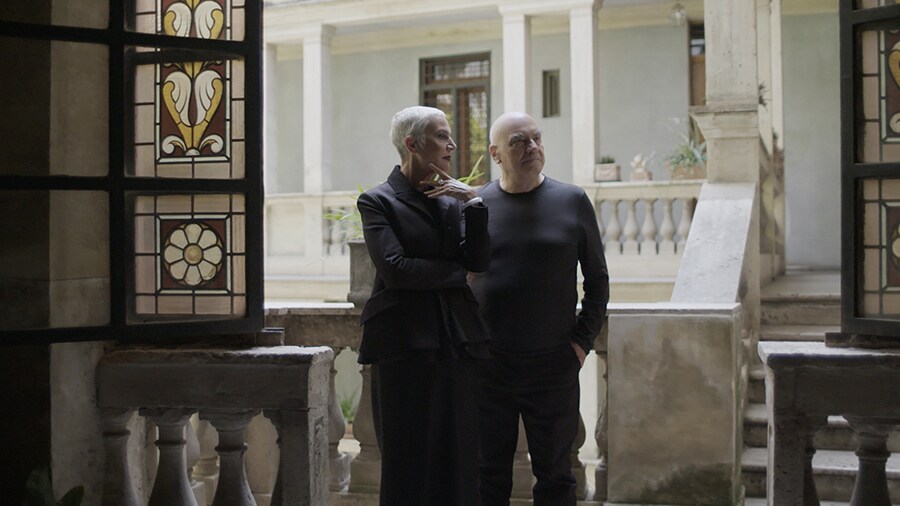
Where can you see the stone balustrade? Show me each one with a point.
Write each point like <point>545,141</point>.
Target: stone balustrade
<point>644,225</point>
<point>227,388</point>
<point>806,383</point>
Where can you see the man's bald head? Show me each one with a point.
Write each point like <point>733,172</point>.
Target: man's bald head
<point>506,120</point>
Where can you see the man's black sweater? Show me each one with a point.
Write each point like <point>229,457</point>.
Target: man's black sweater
<point>529,294</point>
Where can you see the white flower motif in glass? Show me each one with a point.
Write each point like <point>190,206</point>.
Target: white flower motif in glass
<point>193,254</point>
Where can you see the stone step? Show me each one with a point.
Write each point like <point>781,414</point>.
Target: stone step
<point>834,473</point>
<point>801,310</point>
<point>796,332</point>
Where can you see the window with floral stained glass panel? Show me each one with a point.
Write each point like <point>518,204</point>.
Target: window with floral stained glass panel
<point>189,255</point>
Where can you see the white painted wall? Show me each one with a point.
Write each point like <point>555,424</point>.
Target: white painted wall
<point>644,83</point>
<point>812,140</point>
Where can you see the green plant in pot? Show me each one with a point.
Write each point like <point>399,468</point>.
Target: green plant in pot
<point>688,159</point>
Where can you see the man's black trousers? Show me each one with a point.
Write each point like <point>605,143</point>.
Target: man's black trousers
<point>544,390</point>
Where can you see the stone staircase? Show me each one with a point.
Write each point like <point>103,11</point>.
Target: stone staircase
<point>803,306</point>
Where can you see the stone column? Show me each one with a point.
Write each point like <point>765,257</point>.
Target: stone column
<point>516,61</point>
<point>583,65</point>
<point>316,128</point>
<point>270,125</point>
<point>730,120</point>
<point>316,106</point>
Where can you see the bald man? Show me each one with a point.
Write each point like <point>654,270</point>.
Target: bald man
<point>540,230</point>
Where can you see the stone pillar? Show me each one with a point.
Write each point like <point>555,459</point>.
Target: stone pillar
<point>583,65</point>
<point>730,121</point>
<point>516,61</point>
<point>316,129</point>
<point>316,106</point>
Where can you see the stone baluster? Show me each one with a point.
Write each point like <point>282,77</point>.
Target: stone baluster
<point>171,487</point>
<point>338,461</point>
<point>365,469</point>
<point>523,479</point>
<point>577,466</point>
<point>613,230</point>
<point>192,456</point>
<point>648,229</point>
<point>303,443</point>
<point>261,459</point>
<point>118,490</point>
<point>871,487</point>
<point>598,214</point>
<point>233,489</point>
<point>684,226</point>
<point>630,230</point>
<point>600,432</point>
<point>206,470</point>
<point>667,230</point>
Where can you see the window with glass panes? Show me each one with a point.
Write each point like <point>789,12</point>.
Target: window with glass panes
<point>870,168</point>
<point>460,86</point>
<point>135,190</point>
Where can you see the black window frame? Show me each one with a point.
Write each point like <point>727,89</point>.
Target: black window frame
<point>120,40</point>
<point>852,22</point>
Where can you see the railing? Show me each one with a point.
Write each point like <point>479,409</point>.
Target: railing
<point>227,388</point>
<point>357,481</point>
<point>644,225</point>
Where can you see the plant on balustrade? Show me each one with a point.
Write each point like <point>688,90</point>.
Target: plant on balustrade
<point>688,159</point>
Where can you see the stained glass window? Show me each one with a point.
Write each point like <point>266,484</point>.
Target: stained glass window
<point>878,128</point>
<point>131,178</point>
<point>190,257</point>
<point>204,19</point>
<point>189,120</point>
<point>881,248</point>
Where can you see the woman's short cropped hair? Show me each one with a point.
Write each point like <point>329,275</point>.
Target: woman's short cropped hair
<point>411,122</point>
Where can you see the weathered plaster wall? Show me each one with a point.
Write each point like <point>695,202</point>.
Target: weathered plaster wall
<point>812,140</point>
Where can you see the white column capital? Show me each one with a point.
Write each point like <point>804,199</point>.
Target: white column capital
<point>316,32</point>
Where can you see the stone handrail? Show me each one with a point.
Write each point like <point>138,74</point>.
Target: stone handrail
<point>227,387</point>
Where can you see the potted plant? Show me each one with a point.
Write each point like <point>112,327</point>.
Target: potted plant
<point>688,159</point>
<point>607,169</point>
